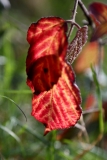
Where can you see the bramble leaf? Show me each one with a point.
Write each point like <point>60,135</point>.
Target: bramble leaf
<point>47,40</point>
<point>42,39</point>
<point>56,100</point>
<point>59,107</point>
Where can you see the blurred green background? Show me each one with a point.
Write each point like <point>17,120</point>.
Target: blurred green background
<point>21,140</point>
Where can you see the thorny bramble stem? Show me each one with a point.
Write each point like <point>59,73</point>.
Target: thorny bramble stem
<point>90,111</point>
<point>85,11</point>
<point>73,23</point>
<point>73,17</point>
<point>85,131</point>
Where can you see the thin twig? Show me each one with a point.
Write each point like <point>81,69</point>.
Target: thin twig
<point>99,66</point>
<point>85,11</point>
<point>79,126</point>
<point>90,111</point>
<point>85,131</point>
<point>80,155</point>
<point>73,17</point>
<point>73,23</point>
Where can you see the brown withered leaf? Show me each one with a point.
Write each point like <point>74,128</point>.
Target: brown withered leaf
<point>75,47</point>
<point>99,10</point>
<point>98,13</point>
<point>100,31</point>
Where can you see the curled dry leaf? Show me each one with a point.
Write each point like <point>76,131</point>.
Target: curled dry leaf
<point>75,47</point>
<point>100,31</point>
<point>56,98</point>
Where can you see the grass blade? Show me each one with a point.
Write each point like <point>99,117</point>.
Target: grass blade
<point>101,123</point>
<point>10,132</point>
<point>15,104</point>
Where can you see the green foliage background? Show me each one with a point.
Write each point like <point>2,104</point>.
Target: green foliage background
<point>19,139</point>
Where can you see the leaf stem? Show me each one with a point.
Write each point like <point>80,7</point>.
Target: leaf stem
<point>90,110</point>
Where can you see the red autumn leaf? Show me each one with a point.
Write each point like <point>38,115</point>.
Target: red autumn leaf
<point>59,107</point>
<point>46,37</point>
<point>42,39</point>
<point>75,47</point>
<point>56,101</point>
<point>100,31</point>
<point>88,56</point>
<point>99,10</point>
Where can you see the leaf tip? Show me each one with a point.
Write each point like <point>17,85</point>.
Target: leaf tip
<point>47,130</point>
